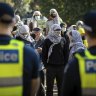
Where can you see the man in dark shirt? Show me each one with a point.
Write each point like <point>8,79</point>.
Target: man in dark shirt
<point>29,58</point>
<point>54,57</point>
<point>72,85</point>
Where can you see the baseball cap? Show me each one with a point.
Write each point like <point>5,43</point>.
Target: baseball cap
<point>89,20</point>
<point>6,13</point>
<point>56,27</point>
<point>37,29</point>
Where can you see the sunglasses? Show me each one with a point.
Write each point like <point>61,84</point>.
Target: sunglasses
<point>57,30</point>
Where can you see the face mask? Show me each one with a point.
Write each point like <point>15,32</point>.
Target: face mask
<point>25,35</point>
<point>37,17</point>
<point>53,16</point>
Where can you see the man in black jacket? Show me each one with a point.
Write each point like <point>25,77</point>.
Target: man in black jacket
<point>54,57</point>
<point>19,64</point>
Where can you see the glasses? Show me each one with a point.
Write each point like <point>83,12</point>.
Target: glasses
<point>57,30</point>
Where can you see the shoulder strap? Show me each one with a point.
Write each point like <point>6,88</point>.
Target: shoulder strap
<point>89,55</point>
<point>16,42</point>
<point>50,50</point>
<point>62,42</point>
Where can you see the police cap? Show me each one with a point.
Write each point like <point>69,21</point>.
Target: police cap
<point>90,21</point>
<point>6,13</point>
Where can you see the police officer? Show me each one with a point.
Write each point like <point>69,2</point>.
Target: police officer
<point>80,73</point>
<point>18,63</point>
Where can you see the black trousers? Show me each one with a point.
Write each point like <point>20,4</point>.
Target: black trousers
<point>51,74</point>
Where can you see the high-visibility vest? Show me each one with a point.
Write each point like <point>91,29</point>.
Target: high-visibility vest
<point>87,69</point>
<point>85,43</point>
<point>82,31</point>
<point>11,69</point>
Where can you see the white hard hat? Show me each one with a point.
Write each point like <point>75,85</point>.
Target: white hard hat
<point>79,23</point>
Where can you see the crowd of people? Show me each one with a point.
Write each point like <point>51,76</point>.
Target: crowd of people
<point>50,51</point>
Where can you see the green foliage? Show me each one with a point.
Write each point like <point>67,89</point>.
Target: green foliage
<point>21,6</point>
<point>69,10</point>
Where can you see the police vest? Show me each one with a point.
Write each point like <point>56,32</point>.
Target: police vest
<point>87,68</point>
<point>11,69</point>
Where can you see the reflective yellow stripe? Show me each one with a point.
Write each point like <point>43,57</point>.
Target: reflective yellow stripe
<point>89,92</point>
<point>6,82</point>
<point>11,75</point>
<point>89,55</point>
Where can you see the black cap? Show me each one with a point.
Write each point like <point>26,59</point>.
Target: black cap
<point>36,29</point>
<point>90,21</point>
<point>6,10</point>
